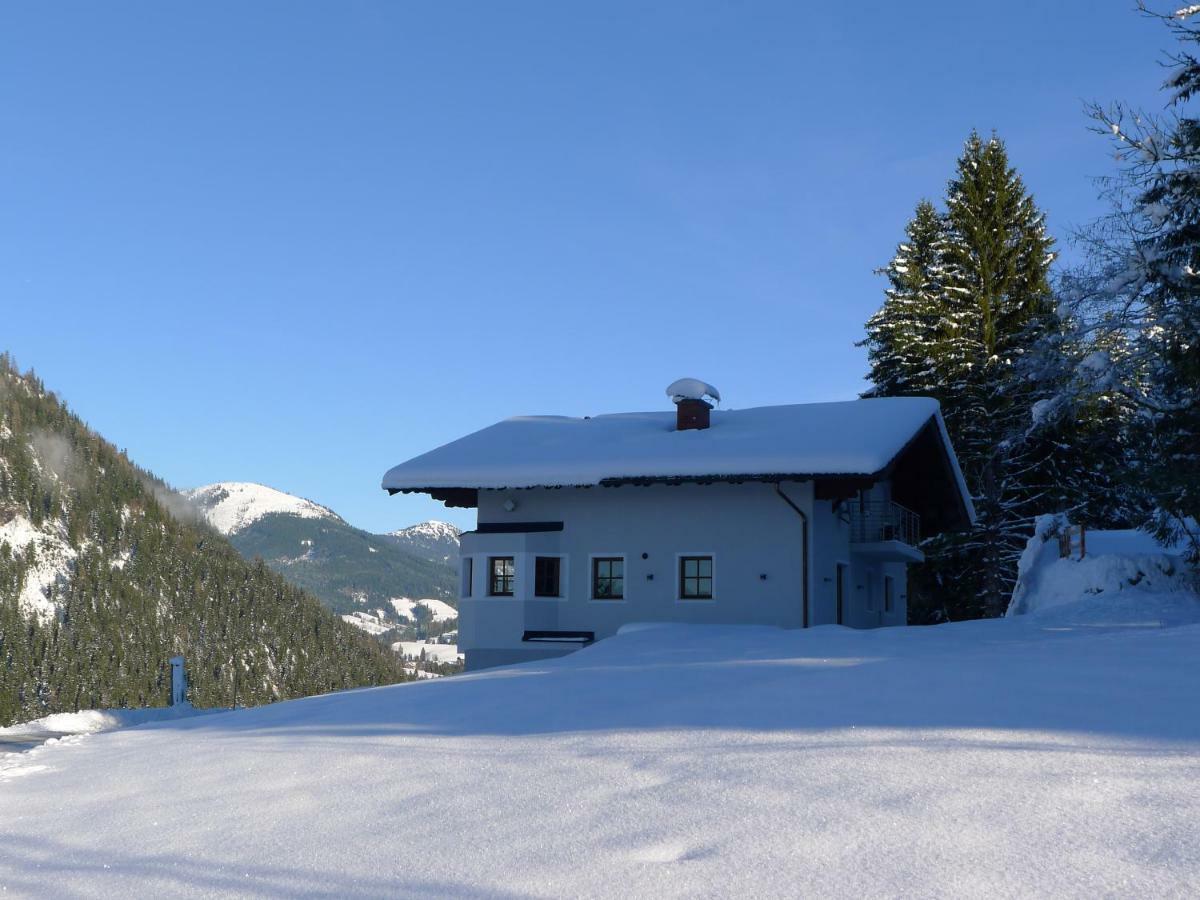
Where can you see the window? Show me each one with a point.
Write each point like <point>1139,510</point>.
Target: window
<point>501,581</point>
<point>695,577</point>
<point>546,576</point>
<point>608,578</point>
<point>889,588</point>
<point>468,575</point>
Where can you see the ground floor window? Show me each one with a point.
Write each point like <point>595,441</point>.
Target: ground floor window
<point>502,572</point>
<point>608,578</point>
<point>695,577</point>
<point>889,588</point>
<point>547,576</point>
<point>468,575</point>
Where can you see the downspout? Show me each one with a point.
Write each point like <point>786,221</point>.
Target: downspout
<point>803,549</point>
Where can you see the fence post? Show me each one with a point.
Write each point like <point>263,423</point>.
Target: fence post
<point>178,681</point>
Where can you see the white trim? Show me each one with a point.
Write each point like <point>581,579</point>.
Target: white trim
<point>591,585</point>
<point>564,576</point>
<point>688,601</point>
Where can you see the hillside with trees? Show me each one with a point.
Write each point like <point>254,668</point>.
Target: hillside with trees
<point>105,573</point>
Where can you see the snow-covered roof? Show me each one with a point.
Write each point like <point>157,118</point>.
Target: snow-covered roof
<point>855,437</point>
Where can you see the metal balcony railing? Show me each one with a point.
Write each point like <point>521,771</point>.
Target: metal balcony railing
<point>872,521</point>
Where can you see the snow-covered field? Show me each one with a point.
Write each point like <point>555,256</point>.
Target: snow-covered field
<point>439,653</point>
<point>440,610</point>
<point>1003,758</point>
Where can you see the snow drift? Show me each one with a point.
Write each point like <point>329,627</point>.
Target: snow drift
<point>999,758</point>
<point>1124,577</point>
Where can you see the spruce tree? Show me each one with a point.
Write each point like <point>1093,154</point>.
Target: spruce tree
<point>1142,290</point>
<point>902,337</point>
<point>984,300</point>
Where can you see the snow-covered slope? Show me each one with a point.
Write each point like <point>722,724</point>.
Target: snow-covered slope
<point>53,556</point>
<point>432,539</point>
<point>439,610</point>
<point>981,759</point>
<point>230,506</point>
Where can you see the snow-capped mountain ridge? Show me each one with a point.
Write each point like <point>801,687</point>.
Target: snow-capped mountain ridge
<point>231,506</point>
<point>433,530</point>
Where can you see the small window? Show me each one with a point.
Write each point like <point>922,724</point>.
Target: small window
<point>608,578</point>
<point>547,576</point>
<point>502,571</point>
<point>889,588</point>
<point>468,575</point>
<point>695,577</point>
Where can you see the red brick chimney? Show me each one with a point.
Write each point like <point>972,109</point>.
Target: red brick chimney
<point>691,414</point>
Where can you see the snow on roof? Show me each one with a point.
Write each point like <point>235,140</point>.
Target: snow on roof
<point>855,437</point>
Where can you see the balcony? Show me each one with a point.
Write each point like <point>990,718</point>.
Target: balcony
<point>885,530</point>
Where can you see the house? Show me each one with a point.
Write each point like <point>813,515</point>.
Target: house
<point>792,516</point>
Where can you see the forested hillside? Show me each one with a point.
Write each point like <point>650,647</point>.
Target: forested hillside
<point>105,573</point>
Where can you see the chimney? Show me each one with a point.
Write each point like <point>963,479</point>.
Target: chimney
<point>691,413</point>
<point>691,409</point>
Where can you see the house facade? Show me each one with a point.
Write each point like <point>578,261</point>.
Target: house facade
<point>792,516</point>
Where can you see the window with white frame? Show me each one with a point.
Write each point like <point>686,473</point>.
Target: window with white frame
<point>695,578</point>
<point>608,578</point>
<point>502,572</point>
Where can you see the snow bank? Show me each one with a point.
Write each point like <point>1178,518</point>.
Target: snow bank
<point>91,721</point>
<point>986,759</point>
<point>1124,577</point>
<point>231,506</point>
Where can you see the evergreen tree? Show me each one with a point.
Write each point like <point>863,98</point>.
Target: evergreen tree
<point>902,336</point>
<point>985,301</point>
<point>1141,292</point>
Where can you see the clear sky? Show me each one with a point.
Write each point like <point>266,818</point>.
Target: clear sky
<point>299,242</point>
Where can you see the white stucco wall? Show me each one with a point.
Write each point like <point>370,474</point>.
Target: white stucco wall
<point>753,536</point>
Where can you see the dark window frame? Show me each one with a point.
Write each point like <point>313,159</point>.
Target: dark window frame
<point>691,586</point>
<point>542,586</point>
<point>608,580</point>
<point>468,576</point>
<point>504,580</point>
<point>889,593</point>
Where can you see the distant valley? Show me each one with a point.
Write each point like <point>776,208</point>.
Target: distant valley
<point>373,581</point>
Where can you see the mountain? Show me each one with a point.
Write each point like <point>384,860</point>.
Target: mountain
<point>105,573</point>
<point>432,539</point>
<point>231,506</point>
<point>356,574</point>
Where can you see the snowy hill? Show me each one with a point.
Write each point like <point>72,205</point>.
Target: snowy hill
<point>432,539</point>
<point>988,759</point>
<point>355,573</point>
<point>231,506</point>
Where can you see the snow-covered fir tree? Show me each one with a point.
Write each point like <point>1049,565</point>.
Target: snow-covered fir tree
<point>958,329</point>
<point>902,337</point>
<point>1141,291</point>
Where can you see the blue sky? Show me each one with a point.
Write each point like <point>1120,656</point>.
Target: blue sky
<point>297,243</point>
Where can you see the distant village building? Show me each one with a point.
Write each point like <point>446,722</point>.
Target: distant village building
<point>792,516</point>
